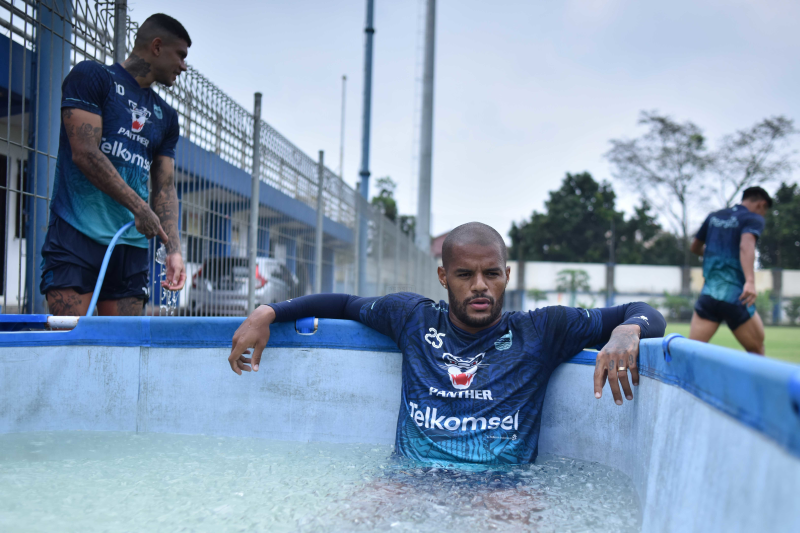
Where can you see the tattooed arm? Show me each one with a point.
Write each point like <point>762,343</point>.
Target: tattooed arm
<point>85,130</point>
<point>165,205</point>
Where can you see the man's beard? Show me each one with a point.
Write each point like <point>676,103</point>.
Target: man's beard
<point>460,310</point>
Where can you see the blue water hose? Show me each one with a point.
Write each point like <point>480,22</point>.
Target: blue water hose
<point>103,268</point>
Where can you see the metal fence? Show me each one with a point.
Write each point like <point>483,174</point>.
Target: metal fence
<point>42,40</point>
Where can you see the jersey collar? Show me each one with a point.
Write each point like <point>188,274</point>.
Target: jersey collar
<point>481,333</point>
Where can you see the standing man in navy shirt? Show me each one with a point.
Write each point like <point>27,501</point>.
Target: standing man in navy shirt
<point>116,133</point>
<point>474,379</point>
<point>727,242</point>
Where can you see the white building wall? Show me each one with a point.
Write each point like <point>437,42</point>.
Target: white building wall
<point>542,275</point>
<point>791,283</point>
<point>650,279</point>
<point>635,279</point>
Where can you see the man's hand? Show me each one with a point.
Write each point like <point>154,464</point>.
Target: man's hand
<point>253,333</point>
<point>176,272</point>
<point>147,223</point>
<point>748,296</point>
<point>620,352</point>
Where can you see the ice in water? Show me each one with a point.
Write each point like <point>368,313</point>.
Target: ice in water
<point>169,299</point>
<point>104,481</point>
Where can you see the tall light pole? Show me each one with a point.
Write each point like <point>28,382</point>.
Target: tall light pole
<point>426,133</point>
<point>369,33</point>
<point>341,134</point>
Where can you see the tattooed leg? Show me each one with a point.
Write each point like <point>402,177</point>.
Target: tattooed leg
<point>123,307</point>
<point>67,302</point>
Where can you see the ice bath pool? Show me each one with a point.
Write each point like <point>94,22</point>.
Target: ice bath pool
<point>110,481</point>
<point>138,423</point>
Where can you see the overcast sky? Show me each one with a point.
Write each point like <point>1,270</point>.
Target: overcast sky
<point>525,90</point>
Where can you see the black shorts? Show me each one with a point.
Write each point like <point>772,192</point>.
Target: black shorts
<point>734,314</point>
<point>71,260</point>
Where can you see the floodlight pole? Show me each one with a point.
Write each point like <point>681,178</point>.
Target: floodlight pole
<point>426,134</point>
<point>369,33</point>
<point>341,134</point>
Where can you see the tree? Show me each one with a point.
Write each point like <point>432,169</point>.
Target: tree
<point>641,240</point>
<point>388,205</point>
<point>764,305</point>
<point>779,246</point>
<point>385,198</point>
<point>573,227</point>
<point>793,310</point>
<point>571,281</point>
<point>666,165</point>
<point>577,227</point>
<point>679,306</point>
<point>752,157</point>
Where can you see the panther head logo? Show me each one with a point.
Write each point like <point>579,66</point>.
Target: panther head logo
<point>462,371</point>
<point>140,116</point>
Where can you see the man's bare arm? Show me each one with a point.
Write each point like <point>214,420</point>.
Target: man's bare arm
<point>747,257</point>
<point>85,131</point>
<point>165,205</point>
<point>697,247</point>
<point>253,333</point>
<point>165,199</point>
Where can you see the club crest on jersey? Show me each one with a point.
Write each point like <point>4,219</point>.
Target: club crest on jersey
<point>140,116</point>
<point>462,370</point>
<point>504,342</point>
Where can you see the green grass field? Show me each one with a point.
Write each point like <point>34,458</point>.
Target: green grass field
<point>781,342</point>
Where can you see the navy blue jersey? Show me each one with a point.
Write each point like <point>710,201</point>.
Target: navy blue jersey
<point>476,398</point>
<point>138,125</point>
<point>722,233</point>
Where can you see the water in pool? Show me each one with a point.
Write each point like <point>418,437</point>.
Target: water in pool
<point>98,481</point>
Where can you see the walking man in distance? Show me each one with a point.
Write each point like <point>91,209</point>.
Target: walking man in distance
<point>727,242</point>
<point>473,378</point>
<point>116,133</point>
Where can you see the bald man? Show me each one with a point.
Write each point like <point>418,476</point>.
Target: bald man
<point>474,379</point>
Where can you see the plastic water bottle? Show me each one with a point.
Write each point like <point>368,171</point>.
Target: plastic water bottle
<point>169,299</point>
